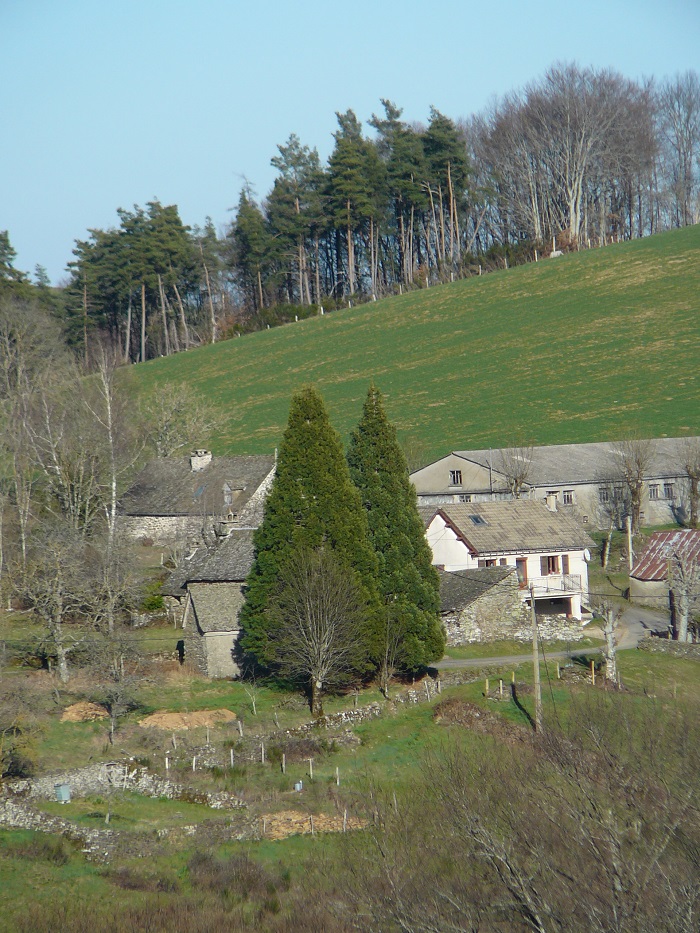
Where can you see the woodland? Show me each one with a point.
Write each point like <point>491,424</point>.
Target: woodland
<point>575,159</point>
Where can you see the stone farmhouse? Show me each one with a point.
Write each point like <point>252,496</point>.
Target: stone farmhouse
<point>548,549</point>
<point>195,497</point>
<point>205,595</point>
<point>581,478</point>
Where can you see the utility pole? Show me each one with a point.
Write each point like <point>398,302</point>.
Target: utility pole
<point>536,663</point>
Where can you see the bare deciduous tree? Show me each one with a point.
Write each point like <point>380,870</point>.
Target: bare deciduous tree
<point>684,584</point>
<point>632,460</point>
<point>318,617</point>
<point>516,464</point>
<point>177,418</point>
<point>690,464</point>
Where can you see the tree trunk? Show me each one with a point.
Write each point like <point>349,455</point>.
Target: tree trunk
<point>127,336</point>
<point>316,699</point>
<point>183,319</point>
<point>143,322</point>
<point>163,316</point>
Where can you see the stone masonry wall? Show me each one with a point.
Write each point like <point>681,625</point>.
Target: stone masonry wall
<point>495,615</point>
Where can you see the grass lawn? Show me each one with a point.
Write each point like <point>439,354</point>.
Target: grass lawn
<point>568,351</point>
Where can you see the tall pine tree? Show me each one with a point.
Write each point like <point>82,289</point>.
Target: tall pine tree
<point>412,635</point>
<point>312,504</point>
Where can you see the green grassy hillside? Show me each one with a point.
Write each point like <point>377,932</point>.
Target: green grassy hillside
<point>582,348</point>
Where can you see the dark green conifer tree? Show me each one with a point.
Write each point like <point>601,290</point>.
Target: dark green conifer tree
<point>312,504</point>
<point>408,583</point>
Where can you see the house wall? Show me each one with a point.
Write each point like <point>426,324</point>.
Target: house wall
<point>161,529</point>
<point>499,613</point>
<point>218,648</point>
<point>435,478</point>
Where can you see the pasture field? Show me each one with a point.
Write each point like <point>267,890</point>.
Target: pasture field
<point>587,347</point>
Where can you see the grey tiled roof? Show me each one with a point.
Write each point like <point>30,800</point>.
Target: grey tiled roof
<point>514,525</point>
<point>169,486</point>
<point>459,588</point>
<point>216,606</point>
<point>228,561</point>
<point>568,464</point>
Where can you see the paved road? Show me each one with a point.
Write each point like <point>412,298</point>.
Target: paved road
<point>634,623</point>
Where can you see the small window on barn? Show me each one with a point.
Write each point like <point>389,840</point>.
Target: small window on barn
<point>568,497</point>
<point>668,491</point>
<point>455,477</point>
<point>477,520</point>
<point>604,494</point>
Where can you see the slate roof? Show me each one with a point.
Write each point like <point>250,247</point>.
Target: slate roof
<point>653,564</point>
<point>460,588</point>
<point>569,464</point>
<point>228,561</point>
<point>169,487</point>
<point>514,526</point>
<point>215,606</point>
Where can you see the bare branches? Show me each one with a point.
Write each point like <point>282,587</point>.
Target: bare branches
<point>318,618</point>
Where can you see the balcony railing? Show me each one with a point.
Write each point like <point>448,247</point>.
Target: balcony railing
<point>555,584</point>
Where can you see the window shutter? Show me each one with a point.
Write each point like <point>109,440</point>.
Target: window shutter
<point>544,570</point>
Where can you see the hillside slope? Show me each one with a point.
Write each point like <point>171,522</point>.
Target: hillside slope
<point>582,348</point>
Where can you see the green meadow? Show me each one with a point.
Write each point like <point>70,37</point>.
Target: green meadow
<point>587,347</point>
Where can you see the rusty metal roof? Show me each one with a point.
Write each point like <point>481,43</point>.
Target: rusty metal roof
<point>653,564</point>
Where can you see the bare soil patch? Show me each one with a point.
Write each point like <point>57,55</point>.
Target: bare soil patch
<point>294,823</point>
<point>84,712</point>
<point>175,722</point>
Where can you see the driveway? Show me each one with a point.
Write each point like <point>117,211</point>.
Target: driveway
<point>634,623</point>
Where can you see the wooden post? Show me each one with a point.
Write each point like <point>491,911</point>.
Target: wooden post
<point>486,687</point>
<point>208,735</point>
<point>345,821</point>
<point>536,663</point>
<point>558,671</point>
<point>167,763</point>
<point>512,677</point>
<point>240,728</point>
<point>337,777</point>
<point>174,740</point>
<point>500,687</point>
<point>284,763</point>
<point>194,763</point>
<point>231,756</point>
<point>311,819</point>
<point>264,826</point>
<point>593,673</point>
<point>427,688</point>
<point>311,769</point>
<point>262,753</point>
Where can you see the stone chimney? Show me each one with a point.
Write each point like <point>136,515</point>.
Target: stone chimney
<point>551,503</point>
<point>199,459</point>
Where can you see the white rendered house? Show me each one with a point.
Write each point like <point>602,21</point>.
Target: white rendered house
<point>550,550</point>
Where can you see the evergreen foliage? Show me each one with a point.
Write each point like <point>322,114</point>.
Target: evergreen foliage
<point>312,503</point>
<point>408,583</point>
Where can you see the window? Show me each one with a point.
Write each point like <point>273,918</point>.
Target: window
<point>668,490</point>
<point>503,562</point>
<point>553,492</point>
<point>604,494</point>
<point>565,563</point>
<point>568,497</point>
<point>549,564</point>
<point>455,477</point>
<point>487,563</point>
<point>653,490</point>
<point>477,520</point>
<point>465,498</point>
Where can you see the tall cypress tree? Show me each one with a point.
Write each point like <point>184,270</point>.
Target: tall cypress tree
<point>312,504</point>
<point>408,583</point>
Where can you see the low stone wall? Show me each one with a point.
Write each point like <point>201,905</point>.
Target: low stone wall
<point>677,649</point>
<point>101,778</point>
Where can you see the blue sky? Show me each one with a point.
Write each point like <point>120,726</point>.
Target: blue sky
<point>110,103</point>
